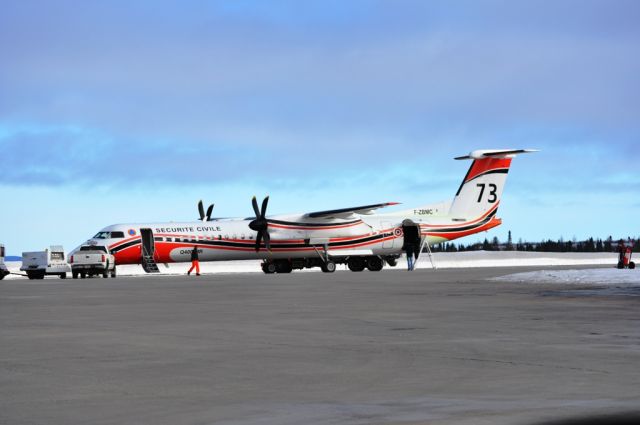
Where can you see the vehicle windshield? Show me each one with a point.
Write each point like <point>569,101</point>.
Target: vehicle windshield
<point>93,248</point>
<point>109,235</point>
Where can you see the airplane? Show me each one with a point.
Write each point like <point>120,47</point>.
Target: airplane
<point>355,236</point>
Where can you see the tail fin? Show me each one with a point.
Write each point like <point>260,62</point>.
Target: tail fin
<point>482,187</point>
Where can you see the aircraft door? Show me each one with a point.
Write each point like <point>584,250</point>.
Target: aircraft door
<point>148,245</point>
<point>411,232</point>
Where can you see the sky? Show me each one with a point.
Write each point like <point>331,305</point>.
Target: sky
<point>132,111</point>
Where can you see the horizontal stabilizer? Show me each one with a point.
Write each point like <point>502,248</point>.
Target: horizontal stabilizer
<point>495,153</point>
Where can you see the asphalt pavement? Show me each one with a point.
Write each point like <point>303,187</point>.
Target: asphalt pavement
<point>427,347</point>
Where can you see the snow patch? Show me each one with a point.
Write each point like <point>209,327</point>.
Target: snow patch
<point>452,260</point>
<point>609,277</point>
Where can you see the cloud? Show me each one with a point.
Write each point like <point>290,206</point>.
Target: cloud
<point>63,155</point>
<point>311,73</point>
<point>77,156</point>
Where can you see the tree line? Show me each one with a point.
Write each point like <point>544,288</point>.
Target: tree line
<point>589,245</point>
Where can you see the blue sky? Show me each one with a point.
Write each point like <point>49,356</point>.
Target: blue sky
<point>133,111</point>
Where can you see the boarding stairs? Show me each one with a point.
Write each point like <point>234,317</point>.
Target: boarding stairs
<point>149,264</point>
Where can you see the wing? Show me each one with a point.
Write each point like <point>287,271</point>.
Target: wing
<point>347,212</point>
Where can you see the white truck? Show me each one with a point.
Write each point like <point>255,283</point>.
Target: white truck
<point>92,260</point>
<point>3,267</point>
<point>51,261</point>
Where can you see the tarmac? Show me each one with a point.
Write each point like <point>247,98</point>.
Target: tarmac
<point>428,347</point>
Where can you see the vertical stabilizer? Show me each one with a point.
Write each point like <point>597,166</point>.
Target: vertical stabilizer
<point>481,189</point>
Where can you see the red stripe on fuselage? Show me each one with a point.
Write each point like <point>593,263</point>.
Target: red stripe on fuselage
<point>455,235</point>
<point>464,223</point>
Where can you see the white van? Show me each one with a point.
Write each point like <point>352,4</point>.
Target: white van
<point>51,261</point>
<point>3,268</point>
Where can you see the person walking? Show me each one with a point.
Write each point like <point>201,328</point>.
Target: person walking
<point>195,263</point>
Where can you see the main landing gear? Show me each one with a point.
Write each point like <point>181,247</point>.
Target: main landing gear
<point>277,266</point>
<point>372,263</point>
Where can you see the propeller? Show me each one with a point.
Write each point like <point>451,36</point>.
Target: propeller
<point>260,224</point>
<point>204,217</point>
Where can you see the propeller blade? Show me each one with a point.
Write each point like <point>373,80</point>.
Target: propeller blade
<point>254,202</point>
<point>264,207</point>
<point>201,209</point>
<point>258,240</point>
<point>209,211</point>
<point>260,224</point>
<point>267,240</point>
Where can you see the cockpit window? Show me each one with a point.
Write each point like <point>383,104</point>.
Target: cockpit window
<point>109,235</point>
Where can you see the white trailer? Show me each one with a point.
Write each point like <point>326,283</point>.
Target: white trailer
<point>51,261</point>
<point>3,267</point>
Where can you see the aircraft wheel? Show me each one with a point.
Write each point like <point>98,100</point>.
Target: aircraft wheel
<point>620,265</point>
<point>74,275</point>
<point>328,267</point>
<point>632,265</point>
<point>113,273</point>
<point>356,264</point>
<point>83,275</point>
<point>268,268</point>
<point>283,266</point>
<point>375,264</point>
<point>63,275</point>
<point>392,262</point>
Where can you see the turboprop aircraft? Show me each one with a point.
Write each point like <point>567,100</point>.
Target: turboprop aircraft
<point>355,236</point>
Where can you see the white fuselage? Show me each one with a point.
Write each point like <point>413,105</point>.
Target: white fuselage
<point>292,236</point>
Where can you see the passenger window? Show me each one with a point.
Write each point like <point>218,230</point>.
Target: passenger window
<point>219,237</point>
<point>157,239</point>
<point>168,239</point>
<point>242,236</point>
